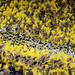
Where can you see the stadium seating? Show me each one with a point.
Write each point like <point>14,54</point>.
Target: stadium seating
<point>50,21</point>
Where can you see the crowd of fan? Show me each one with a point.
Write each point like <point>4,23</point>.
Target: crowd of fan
<point>47,20</point>
<point>22,60</point>
<point>50,21</point>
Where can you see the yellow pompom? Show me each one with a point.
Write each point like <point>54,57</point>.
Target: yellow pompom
<point>5,67</point>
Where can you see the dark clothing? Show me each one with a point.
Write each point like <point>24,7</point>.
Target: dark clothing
<point>29,73</point>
